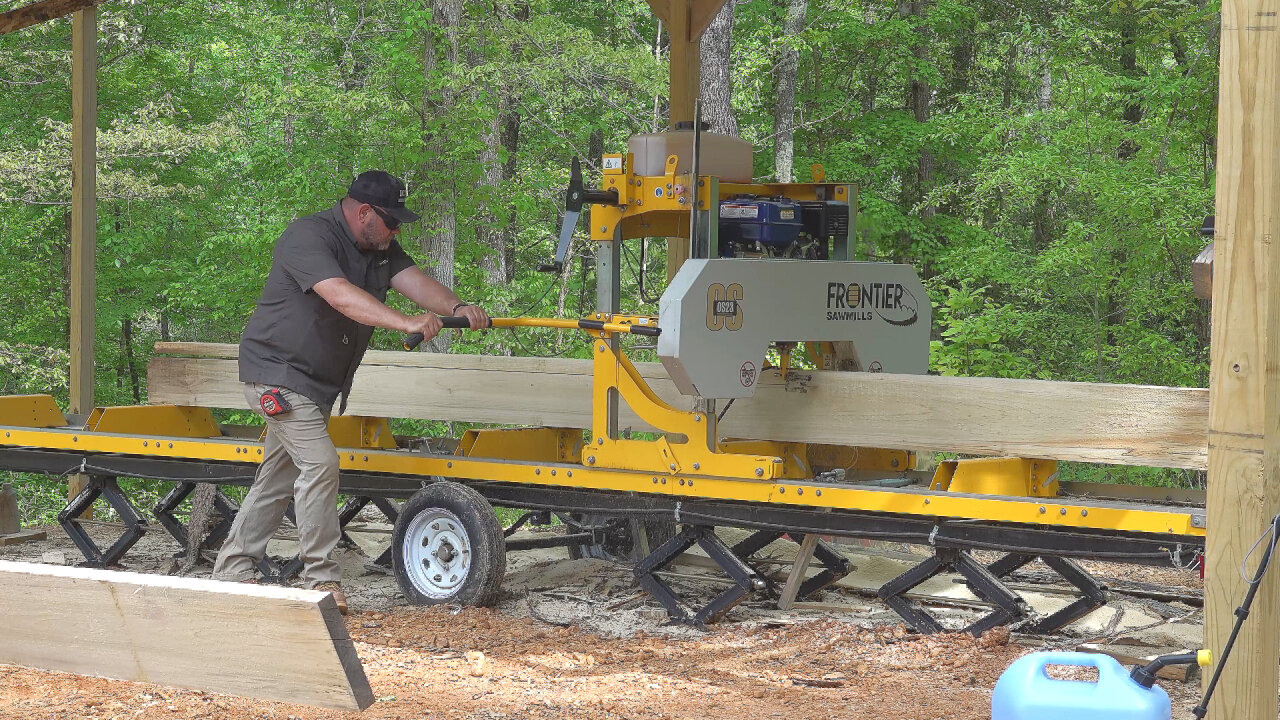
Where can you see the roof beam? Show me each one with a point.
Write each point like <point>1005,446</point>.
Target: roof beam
<point>39,12</point>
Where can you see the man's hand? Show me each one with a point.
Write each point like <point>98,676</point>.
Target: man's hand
<point>428,324</point>
<point>476,315</point>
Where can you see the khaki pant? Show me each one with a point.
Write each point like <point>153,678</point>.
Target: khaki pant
<point>299,462</point>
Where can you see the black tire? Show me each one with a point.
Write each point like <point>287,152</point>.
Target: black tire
<point>619,543</point>
<point>447,547</point>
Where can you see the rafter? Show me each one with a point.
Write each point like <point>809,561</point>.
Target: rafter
<point>39,12</point>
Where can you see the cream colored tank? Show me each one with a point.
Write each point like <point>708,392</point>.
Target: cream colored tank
<point>723,156</point>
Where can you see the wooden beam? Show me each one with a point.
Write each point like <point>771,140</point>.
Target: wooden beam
<point>84,212</point>
<point>258,641</point>
<point>1106,423</point>
<point>685,73</point>
<point>1244,375</point>
<point>701,15</point>
<point>661,10</point>
<point>39,12</point>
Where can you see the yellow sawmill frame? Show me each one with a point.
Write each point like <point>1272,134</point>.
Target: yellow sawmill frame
<point>687,461</point>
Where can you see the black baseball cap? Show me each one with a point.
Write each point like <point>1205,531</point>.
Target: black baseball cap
<point>383,190</point>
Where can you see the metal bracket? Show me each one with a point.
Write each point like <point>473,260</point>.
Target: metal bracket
<point>835,565</point>
<point>69,519</point>
<point>273,571</point>
<point>163,513</point>
<point>745,579</point>
<point>1095,594</point>
<point>1009,607</point>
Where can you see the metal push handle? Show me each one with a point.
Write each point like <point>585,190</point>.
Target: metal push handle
<point>461,323</point>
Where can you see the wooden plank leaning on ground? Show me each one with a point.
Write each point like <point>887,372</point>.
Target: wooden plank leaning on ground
<point>258,641</point>
<point>1088,422</point>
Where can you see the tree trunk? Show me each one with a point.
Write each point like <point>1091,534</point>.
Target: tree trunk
<point>1040,214</point>
<point>1129,69</point>
<point>784,108</point>
<point>126,342</point>
<point>440,223</point>
<point>716,83</point>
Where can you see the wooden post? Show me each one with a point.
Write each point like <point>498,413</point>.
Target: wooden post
<point>1244,378</point>
<point>84,211</point>
<point>685,20</point>
<point>685,73</point>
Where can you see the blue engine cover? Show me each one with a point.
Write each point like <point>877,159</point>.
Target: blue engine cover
<point>774,223</point>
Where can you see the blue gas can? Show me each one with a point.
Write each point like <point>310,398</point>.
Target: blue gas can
<point>1026,692</point>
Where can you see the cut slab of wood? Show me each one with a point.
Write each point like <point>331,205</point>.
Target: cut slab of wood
<point>252,640</point>
<point>1088,422</point>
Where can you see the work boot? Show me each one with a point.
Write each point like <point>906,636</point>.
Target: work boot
<point>334,588</point>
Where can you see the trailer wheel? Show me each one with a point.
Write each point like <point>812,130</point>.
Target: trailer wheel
<point>448,547</point>
<point>619,543</point>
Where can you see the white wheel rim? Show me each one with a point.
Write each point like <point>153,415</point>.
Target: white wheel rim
<point>437,553</point>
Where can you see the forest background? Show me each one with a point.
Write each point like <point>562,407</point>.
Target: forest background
<point>1044,165</point>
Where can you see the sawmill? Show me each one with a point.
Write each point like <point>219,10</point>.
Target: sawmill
<point>768,296</point>
<point>781,394</point>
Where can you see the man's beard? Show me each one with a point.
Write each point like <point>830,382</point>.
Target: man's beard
<point>368,241</point>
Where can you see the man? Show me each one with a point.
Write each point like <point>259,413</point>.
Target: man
<point>329,278</point>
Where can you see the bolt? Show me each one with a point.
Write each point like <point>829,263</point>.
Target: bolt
<point>591,459</point>
<point>604,228</point>
<point>697,418</point>
<point>799,491</point>
<point>366,458</point>
<point>601,349</point>
<point>664,481</point>
<point>672,466</point>
<point>1062,511</point>
<point>926,501</point>
<point>655,479</point>
<point>894,462</point>
<point>600,441</point>
<point>759,472</point>
<point>568,473</point>
<point>1084,513</point>
<point>553,473</point>
<point>782,490</point>
<point>690,483</point>
<point>1042,510</point>
<point>818,493</point>
<point>144,444</point>
<point>682,482</point>
<point>449,465</point>
<point>171,447</point>
<point>697,466</point>
<point>537,471</point>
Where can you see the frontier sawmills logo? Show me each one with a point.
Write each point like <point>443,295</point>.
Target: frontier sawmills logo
<point>891,302</point>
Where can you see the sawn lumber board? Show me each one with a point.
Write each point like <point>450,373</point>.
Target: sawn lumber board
<point>257,641</point>
<point>1089,422</point>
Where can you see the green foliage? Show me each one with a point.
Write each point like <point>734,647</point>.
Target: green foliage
<point>1071,151</point>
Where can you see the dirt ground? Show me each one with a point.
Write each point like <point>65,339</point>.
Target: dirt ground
<point>578,639</point>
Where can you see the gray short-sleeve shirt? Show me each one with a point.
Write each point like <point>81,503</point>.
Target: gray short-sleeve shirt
<point>295,339</point>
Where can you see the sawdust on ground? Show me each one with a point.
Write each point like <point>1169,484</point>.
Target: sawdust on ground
<point>576,639</point>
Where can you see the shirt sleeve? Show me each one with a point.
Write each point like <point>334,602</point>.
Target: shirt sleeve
<point>306,257</point>
<point>400,259</point>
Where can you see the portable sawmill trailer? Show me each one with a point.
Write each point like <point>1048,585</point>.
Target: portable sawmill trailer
<point>770,270</point>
